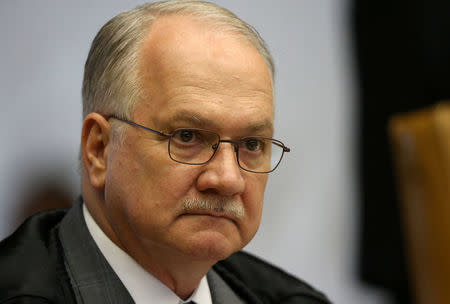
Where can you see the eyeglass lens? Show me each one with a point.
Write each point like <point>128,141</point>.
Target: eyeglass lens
<point>194,146</point>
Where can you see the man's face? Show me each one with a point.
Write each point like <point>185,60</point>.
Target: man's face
<point>194,77</point>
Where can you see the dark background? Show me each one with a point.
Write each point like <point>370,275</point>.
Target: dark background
<point>403,63</point>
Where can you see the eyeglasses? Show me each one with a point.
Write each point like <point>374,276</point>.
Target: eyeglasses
<point>193,146</point>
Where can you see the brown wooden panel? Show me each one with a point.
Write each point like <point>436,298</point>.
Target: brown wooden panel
<point>421,146</point>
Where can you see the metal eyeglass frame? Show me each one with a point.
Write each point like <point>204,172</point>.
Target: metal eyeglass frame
<point>215,147</point>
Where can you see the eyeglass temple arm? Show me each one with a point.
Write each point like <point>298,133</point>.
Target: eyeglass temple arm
<point>140,126</point>
<point>285,149</point>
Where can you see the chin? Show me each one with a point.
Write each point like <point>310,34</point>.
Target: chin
<point>212,246</point>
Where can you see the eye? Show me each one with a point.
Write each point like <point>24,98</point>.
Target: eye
<point>185,135</point>
<point>253,144</point>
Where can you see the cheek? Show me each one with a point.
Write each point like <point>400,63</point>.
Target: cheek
<point>155,187</point>
<point>154,175</point>
<point>167,183</point>
<point>254,200</point>
<point>256,186</point>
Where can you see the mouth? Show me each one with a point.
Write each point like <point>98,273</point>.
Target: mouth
<point>212,214</point>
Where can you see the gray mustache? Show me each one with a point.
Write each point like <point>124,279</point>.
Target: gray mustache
<point>229,207</point>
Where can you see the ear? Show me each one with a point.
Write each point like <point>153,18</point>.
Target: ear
<point>95,140</point>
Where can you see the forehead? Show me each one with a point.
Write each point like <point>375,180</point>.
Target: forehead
<point>189,65</point>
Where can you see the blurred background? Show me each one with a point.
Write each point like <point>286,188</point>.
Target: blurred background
<point>342,69</point>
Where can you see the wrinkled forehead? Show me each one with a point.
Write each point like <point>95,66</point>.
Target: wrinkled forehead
<point>185,57</point>
<point>183,42</point>
<point>210,23</point>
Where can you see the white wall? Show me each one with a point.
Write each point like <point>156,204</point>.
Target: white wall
<point>309,224</point>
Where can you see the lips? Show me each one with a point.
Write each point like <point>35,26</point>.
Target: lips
<point>212,214</point>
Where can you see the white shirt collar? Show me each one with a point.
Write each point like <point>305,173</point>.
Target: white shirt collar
<point>142,286</point>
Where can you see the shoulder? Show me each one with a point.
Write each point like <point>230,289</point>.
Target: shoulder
<point>29,261</point>
<point>260,282</point>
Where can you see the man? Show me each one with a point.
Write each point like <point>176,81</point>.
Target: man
<point>176,149</point>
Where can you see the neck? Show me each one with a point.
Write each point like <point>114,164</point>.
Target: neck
<point>178,272</point>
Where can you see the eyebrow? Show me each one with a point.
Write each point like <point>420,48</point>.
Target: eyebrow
<point>199,121</point>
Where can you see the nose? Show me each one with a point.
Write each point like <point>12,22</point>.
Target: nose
<point>222,174</point>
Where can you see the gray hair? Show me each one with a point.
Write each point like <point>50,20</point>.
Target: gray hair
<point>111,83</point>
